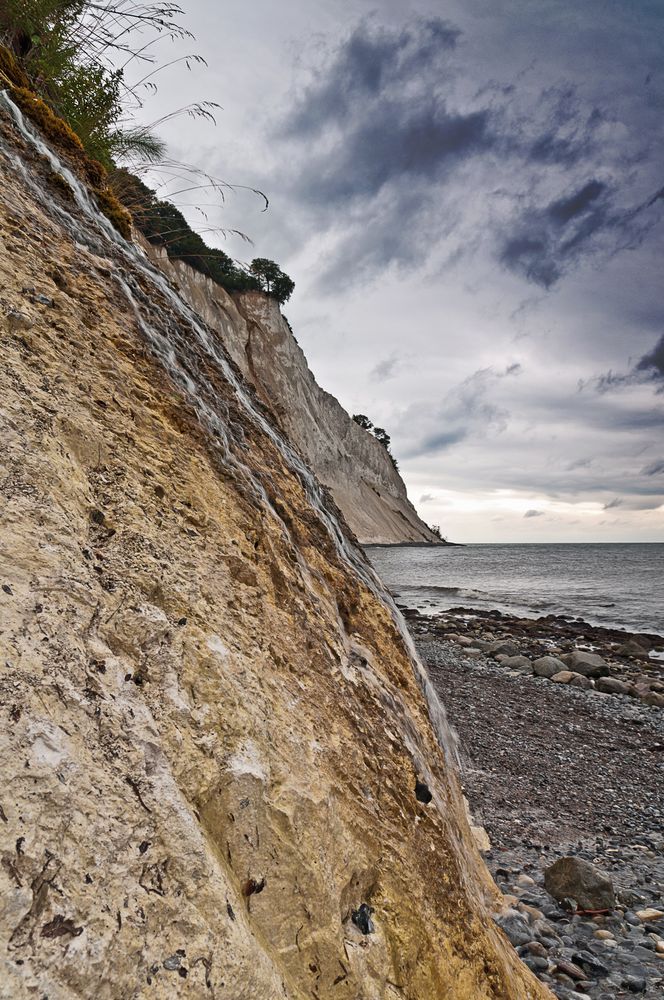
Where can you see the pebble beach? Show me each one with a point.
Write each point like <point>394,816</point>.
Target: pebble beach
<point>562,742</point>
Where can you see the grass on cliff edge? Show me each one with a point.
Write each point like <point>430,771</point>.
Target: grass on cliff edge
<point>60,59</point>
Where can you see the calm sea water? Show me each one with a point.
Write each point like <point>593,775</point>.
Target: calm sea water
<point>612,585</point>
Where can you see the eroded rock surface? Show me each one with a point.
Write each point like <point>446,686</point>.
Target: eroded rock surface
<point>212,730</point>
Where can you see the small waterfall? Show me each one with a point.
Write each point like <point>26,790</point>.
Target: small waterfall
<point>179,361</point>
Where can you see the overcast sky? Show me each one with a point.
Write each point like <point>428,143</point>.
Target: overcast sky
<point>469,196</point>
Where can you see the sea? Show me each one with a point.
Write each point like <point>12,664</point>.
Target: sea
<point>614,585</point>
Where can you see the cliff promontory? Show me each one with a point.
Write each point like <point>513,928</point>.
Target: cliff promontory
<point>357,469</point>
<point>212,722</point>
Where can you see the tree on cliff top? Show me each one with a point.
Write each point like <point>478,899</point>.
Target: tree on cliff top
<point>362,421</point>
<point>272,279</point>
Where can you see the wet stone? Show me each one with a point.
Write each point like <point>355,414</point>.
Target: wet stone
<point>362,919</point>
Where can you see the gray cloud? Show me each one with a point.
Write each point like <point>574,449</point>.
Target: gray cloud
<point>427,498</point>
<point>383,140</point>
<point>385,369</point>
<point>653,363</point>
<point>370,62</point>
<point>534,513</point>
<point>465,412</point>
<point>579,463</point>
<point>655,468</point>
<point>612,504</point>
<point>648,370</point>
<point>548,241</point>
<point>379,138</point>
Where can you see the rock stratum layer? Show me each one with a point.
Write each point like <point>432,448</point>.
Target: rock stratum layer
<point>347,459</point>
<point>212,726</point>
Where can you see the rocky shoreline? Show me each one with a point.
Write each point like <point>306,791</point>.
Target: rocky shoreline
<point>562,767</point>
<point>558,648</point>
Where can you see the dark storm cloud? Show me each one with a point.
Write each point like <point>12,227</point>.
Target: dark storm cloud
<point>565,130</point>
<point>379,103</point>
<point>549,240</point>
<point>649,369</point>
<point>546,243</point>
<point>399,144</point>
<point>384,147</point>
<point>379,138</point>
<point>653,363</point>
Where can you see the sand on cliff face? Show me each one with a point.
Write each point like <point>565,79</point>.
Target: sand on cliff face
<point>211,729</point>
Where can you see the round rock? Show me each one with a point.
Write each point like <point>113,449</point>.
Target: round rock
<point>577,879</point>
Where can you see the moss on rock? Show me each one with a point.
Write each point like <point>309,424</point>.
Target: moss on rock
<point>114,211</point>
<point>10,70</point>
<point>60,135</point>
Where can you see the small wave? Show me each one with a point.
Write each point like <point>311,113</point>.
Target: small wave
<point>476,595</point>
<point>452,591</point>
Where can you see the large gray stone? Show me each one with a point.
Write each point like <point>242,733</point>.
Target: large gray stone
<point>506,646</point>
<point>520,663</point>
<point>547,666</point>
<point>634,648</point>
<point>588,664</point>
<point>574,878</point>
<point>580,681</point>
<point>515,925</point>
<point>611,685</point>
<point>653,698</point>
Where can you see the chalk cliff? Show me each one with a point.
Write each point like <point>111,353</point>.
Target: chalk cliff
<point>212,722</point>
<point>347,459</point>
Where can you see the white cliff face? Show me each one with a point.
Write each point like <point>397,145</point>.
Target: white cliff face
<point>347,459</point>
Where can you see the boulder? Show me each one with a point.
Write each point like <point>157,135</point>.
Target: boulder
<point>515,926</point>
<point>574,878</point>
<point>579,681</point>
<point>520,663</point>
<point>481,838</point>
<point>547,666</point>
<point>506,646</point>
<point>611,685</point>
<point>563,677</point>
<point>588,664</point>
<point>652,698</point>
<point>633,648</point>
